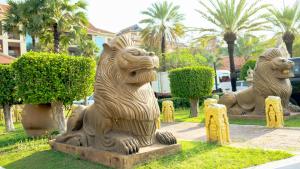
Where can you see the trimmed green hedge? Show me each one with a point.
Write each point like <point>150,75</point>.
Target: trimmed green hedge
<point>7,85</point>
<point>249,64</point>
<point>191,82</point>
<point>49,77</point>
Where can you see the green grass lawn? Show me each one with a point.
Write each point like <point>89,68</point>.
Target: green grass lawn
<point>182,115</point>
<point>19,152</point>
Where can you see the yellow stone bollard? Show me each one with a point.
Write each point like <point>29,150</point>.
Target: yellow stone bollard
<point>274,112</point>
<point>157,123</point>
<point>216,124</point>
<point>209,101</point>
<point>168,111</point>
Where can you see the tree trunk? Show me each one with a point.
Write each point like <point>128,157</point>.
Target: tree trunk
<point>56,36</point>
<point>85,101</point>
<point>163,51</point>
<point>194,107</point>
<point>33,43</point>
<point>230,45</point>
<point>216,76</point>
<point>289,47</point>
<point>58,115</point>
<point>288,38</point>
<point>9,125</point>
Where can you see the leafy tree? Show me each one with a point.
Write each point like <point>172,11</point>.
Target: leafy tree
<point>183,58</point>
<point>193,83</point>
<point>250,64</point>
<point>163,25</point>
<point>54,78</point>
<point>297,47</point>
<point>287,21</point>
<point>7,89</point>
<point>231,17</point>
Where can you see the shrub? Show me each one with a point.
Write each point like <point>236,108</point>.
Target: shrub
<point>183,58</point>
<point>48,77</point>
<point>192,83</point>
<point>245,67</point>
<point>7,91</point>
<point>54,78</point>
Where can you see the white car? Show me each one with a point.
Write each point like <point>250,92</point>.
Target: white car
<point>90,100</point>
<point>226,86</point>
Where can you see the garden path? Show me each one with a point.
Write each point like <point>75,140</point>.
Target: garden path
<point>287,139</point>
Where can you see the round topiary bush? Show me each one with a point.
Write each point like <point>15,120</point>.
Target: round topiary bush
<point>58,79</point>
<point>192,83</point>
<point>249,64</point>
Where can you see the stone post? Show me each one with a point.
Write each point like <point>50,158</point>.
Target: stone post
<point>168,111</point>
<point>216,124</point>
<point>274,112</point>
<point>209,101</point>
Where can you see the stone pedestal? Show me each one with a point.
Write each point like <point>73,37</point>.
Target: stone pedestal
<point>216,124</point>
<point>168,111</point>
<point>274,112</point>
<point>115,160</point>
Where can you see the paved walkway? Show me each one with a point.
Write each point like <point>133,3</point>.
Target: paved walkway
<point>287,139</point>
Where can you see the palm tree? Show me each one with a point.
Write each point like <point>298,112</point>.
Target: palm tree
<point>231,17</point>
<point>24,18</point>
<point>64,17</point>
<point>163,24</point>
<point>287,21</point>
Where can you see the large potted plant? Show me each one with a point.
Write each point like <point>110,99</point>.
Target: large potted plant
<point>46,82</point>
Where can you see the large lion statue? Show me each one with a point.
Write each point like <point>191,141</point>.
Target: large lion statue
<point>270,78</point>
<point>125,113</point>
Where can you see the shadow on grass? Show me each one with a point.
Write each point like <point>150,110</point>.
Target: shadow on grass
<point>50,159</point>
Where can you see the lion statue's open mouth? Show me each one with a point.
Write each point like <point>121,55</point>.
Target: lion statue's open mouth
<point>271,78</point>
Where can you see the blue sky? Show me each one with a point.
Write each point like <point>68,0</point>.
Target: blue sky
<point>114,15</point>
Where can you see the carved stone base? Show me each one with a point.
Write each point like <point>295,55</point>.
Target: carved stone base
<point>116,160</point>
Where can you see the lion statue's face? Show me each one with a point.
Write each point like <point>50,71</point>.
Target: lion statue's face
<point>137,66</point>
<point>282,67</point>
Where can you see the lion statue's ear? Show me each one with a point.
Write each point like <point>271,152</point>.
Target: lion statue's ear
<point>107,48</point>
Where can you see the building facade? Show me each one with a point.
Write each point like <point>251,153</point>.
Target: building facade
<point>11,43</point>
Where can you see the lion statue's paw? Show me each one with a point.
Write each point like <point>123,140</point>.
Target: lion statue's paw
<point>166,138</point>
<point>128,145</point>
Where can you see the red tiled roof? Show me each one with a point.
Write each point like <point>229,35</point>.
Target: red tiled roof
<point>5,59</point>
<point>238,62</point>
<point>3,10</point>
<point>93,29</point>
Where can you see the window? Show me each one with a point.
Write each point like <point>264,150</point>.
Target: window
<point>14,49</point>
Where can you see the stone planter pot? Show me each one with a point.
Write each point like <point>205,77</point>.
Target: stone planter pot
<point>37,119</point>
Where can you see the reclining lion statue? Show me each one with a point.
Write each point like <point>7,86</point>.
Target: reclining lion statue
<point>270,78</point>
<point>125,114</point>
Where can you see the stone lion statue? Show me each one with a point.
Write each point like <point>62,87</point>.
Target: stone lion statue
<point>270,78</point>
<point>125,113</point>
